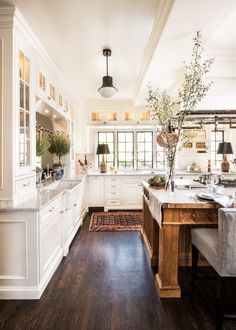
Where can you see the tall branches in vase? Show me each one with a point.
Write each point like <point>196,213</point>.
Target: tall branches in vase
<point>169,114</point>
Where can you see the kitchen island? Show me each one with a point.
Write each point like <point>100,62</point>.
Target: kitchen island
<point>167,237</point>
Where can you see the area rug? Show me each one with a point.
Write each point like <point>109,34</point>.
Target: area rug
<point>116,221</point>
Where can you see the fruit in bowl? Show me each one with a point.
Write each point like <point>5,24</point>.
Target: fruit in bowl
<point>158,181</point>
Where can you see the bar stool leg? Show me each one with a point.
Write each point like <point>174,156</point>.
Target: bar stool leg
<point>220,294</point>
<point>195,254</point>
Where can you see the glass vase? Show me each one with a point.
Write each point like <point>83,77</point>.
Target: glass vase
<point>170,179</point>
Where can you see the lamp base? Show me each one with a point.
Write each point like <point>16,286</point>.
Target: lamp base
<point>103,168</point>
<point>103,165</point>
<point>225,165</point>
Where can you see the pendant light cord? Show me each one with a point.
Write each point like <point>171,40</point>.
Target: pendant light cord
<point>107,63</point>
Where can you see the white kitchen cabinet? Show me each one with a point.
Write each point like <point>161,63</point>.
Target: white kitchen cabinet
<point>116,191</point>
<point>28,73</point>
<point>73,215</point>
<point>50,237</point>
<point>132,191</point>
<point>96,190</point>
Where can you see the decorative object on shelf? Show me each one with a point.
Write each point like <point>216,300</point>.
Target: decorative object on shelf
<point>194,168</point>
<point>225,148</point>
<point>107,90</point>
<point>233,166</point>
<point>39,172</point>
<point>86,166</point>
<point>209,166</point>
<point>188,145</point>
<point>169,113</point>
<point>103,149</point>
<point>201,145</point>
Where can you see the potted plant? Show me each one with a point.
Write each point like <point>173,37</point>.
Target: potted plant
<point>42,145</point>
<point>60,146</point>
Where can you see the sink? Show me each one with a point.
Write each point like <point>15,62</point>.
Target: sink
<point>63,184</point>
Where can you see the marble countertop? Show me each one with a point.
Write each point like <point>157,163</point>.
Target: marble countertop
<point>36,203</point>
<point>42,198</point>
<point>185,196</point>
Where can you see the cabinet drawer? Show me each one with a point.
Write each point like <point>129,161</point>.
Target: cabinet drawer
<point>25,184</point>
<point>113,181</point>
<point>113,194</point>
<point>50,211</point>
<point>113,201</point>
<point>200,216</point>
<point>113,187</point>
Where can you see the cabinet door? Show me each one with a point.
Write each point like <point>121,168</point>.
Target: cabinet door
<point>50,244</point>
<point>132,191</point>
<point>68,222</point>
<point>96,191</point>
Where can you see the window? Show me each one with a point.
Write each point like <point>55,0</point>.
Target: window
<point>216,138</point>
<point>144,150</point>
<point>125,150</point>
<point>107,137</point>
<point>131,149</point>
<point>160,163</point>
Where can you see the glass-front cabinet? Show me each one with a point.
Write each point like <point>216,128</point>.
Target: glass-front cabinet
<point>24,111</point>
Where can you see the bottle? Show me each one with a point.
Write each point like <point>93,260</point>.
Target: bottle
<point>209,166</point>
<point>85,160</point>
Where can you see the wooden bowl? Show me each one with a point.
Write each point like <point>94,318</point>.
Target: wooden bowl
<point>157,185</point>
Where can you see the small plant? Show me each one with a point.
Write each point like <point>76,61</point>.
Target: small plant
<point>42,143</point>
<point>59,144</point>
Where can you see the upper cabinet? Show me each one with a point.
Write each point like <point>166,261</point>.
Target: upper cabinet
<point>24,111</point>
<point>126,117</point>
<point>29,76</point>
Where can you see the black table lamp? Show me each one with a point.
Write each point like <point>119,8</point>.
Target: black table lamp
<point>103,149</point>
<point>225,148</point>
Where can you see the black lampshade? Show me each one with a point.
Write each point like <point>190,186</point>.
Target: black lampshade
<point>103,149</point>
<point>225,148</point>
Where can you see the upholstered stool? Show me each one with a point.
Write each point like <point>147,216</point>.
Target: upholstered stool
<point>218,247</point>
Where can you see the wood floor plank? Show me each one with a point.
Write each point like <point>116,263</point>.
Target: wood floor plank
<point>106,283</point>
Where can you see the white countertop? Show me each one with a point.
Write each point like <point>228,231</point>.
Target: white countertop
<point>36,203</point>
<point>42,197</point>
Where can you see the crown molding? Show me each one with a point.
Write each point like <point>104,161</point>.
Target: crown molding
<point>7,17</point>
<point>162,13</point>
<point>10,17</point>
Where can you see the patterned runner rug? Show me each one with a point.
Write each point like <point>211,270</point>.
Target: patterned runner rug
<point>116,221</point>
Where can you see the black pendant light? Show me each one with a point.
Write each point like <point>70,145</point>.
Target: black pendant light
<point>107,90</point>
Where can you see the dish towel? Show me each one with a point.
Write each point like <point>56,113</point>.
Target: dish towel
<point>155,208</point>
<point>225,201</point>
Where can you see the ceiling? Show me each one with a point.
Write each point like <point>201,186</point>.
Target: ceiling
<point>149,39</point>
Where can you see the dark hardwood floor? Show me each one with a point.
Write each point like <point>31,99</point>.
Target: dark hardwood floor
<point>105,282</point>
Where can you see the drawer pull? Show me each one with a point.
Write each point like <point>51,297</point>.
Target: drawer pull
<point>113,193</point>
<point>62,212</point>
<point>52,209</point>
<point>139,185</point>
<point>113,202</point>
<point>26,184</point>
<point>193,216</point>
<point>113,186</point>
